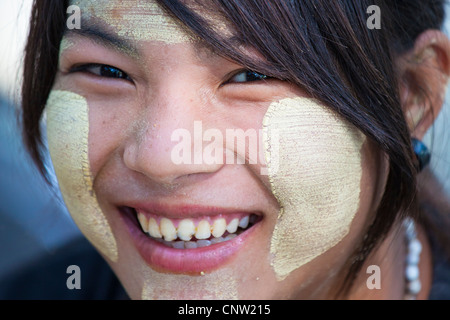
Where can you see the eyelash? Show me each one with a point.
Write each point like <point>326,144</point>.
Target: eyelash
<point>115,73</point>
<point>103,71</point>
<point>255,76</point>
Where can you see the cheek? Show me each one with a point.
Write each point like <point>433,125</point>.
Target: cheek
<point>314,168</point>
<point>68,131</point>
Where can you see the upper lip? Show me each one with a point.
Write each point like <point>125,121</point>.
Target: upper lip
<point>177,211</point>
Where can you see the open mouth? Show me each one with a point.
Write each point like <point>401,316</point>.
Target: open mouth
<point>195,233</point>
<point>195,243</point>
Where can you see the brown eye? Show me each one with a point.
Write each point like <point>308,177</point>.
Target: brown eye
<point>247,76</point>
<point>103,71</point>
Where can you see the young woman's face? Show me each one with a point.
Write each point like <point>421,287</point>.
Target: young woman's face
<point>196,178</point>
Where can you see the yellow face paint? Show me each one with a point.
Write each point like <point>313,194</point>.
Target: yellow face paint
<point>142,20</point>
<point>65,45</point>
<point>68,131</point>
<point>315,175</point>
<point>220,285</point>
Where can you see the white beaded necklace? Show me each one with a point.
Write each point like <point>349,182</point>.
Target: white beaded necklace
<point>412,271</point>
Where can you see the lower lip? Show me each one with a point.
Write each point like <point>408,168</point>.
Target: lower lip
<point>184,261</point>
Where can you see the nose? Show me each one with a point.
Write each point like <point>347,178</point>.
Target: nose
<point>166,140</point>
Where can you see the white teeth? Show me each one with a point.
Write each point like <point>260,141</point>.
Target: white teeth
<point>233,226</point>
<point>186,229</point>
<point>203,243</point>
<point>168,230</point>
<point>221,239</point>
<point>230,237</point>
<point>244,222</point>
<point>167,233</point>
<point>216,240</point>
<point>190,245</point>
<point>203,230</point>
<point>219,227</point>
<point>178,245</point>
<point>153,229</point>
<point>143,222</point>
<point>194,244</point>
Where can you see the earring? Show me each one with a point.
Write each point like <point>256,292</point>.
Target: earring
<point>422,153</point>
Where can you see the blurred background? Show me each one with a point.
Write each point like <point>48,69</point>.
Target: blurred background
<point>33,219</point>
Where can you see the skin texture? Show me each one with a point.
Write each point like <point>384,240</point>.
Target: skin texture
<point>130,124</point>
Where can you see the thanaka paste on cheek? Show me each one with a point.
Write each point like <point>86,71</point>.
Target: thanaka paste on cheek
<point>68,131</point>
<point>315,176</point>
<point>142,20</point>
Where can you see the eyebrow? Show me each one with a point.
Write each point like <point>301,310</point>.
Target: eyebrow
<point>103,37</point>
<point>96,32</point>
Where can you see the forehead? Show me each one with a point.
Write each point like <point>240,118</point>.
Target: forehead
<point>136,20</point>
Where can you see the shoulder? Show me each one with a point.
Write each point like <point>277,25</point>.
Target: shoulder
<point>435,218</point>
<point>440,289</point>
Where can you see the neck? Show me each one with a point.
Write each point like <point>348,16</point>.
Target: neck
<point>390,257</point>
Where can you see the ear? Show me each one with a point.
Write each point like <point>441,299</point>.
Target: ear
<point>424,74</point>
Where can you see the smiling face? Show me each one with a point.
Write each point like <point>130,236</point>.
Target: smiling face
<point>130,79</point>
